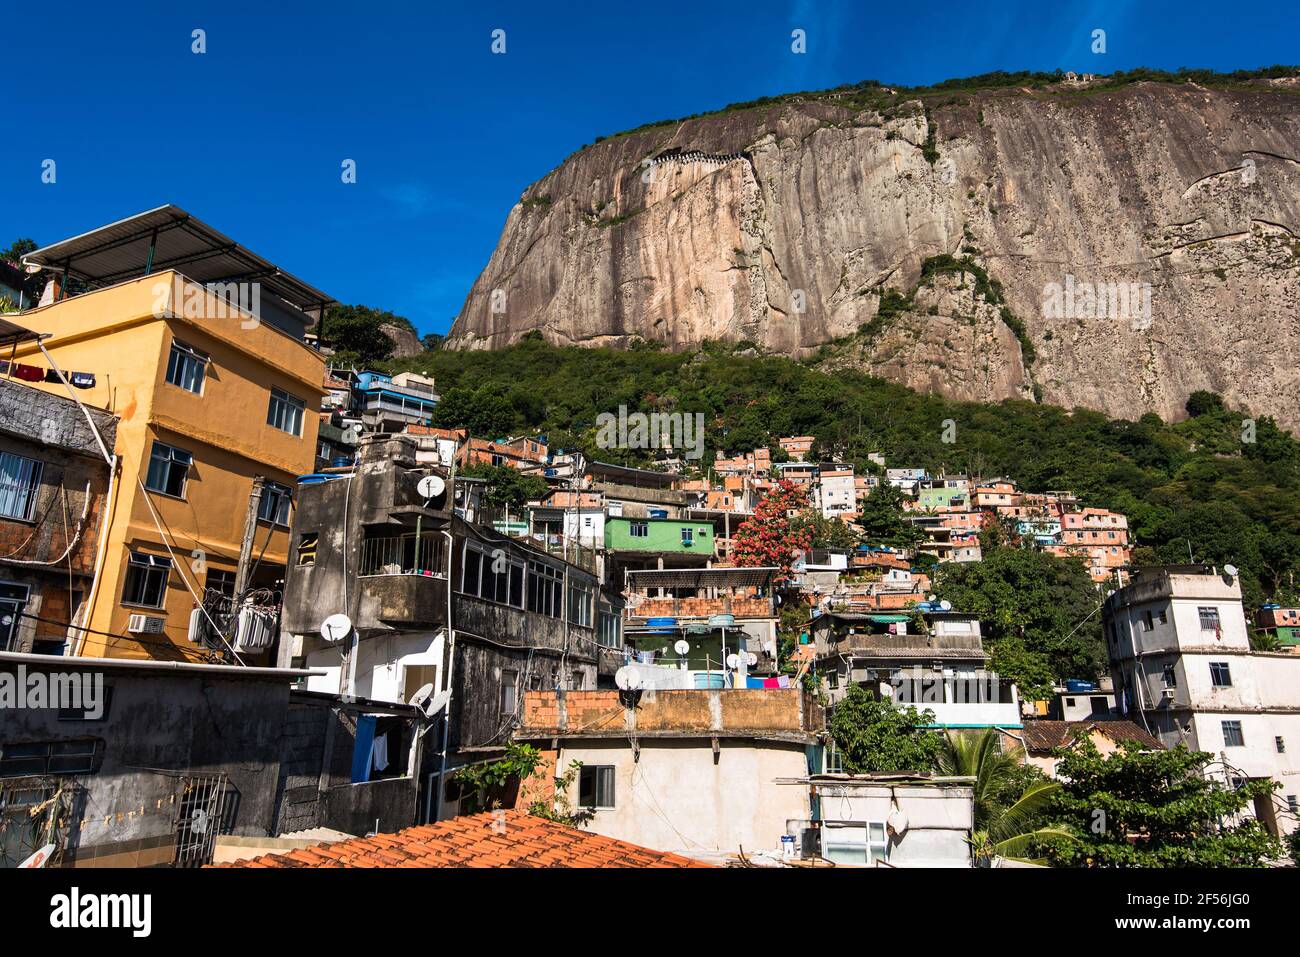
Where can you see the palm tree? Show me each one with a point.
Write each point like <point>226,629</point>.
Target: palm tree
<point>1005,822</point>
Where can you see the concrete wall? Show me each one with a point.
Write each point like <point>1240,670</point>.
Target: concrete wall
<point>677,798</point>
<point>939,819</point>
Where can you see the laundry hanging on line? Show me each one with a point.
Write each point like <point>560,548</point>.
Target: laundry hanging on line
<point>20,370</point>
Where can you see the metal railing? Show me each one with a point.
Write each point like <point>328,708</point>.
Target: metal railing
<point>403,555</point>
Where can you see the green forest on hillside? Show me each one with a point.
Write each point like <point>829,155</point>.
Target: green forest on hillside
<point>1192,485</point>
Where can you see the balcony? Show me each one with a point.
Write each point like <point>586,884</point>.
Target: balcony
<point>751,607</point>
<point>404,555</point>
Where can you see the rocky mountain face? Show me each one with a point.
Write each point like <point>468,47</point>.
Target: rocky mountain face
<point>1110,248</point>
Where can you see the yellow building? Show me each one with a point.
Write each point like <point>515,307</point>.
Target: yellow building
<point>197,345</point>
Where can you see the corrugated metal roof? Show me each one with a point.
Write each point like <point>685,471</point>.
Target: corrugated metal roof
<point>120,251</point>
<point>12,333</point>
<point>701,577</point>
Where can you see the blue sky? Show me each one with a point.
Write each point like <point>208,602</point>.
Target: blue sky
<point>251,134</point>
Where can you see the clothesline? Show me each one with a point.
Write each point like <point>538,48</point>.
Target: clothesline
<point>20,370</point>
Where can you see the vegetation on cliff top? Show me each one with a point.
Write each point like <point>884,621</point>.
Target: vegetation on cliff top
<point>1200,484</point>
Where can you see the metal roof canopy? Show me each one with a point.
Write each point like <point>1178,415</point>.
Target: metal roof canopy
<point>11,333</point>
<point>170,238</point>
<point>701,577</point>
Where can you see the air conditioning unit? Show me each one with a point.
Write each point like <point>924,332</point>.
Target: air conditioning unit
<point>145,625</point>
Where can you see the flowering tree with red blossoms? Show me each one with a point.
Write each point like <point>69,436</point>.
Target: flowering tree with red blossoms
<point>770,539</point>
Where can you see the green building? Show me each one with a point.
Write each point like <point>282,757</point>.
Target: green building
<point>660,535</point>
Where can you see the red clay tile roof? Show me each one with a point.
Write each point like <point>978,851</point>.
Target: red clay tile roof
<point>491,839</point>
<point>1047,735</point>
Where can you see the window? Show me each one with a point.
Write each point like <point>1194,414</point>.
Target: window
<point>187,367</point>
<point>1293,805</point>
<point>1170,677</point>
<point>580,599</point>
<point>273,506</point>
<point>596,786</point>
<point>495,576</point>
<point>1280,743</point>
<point>545,589</point>
<point>1232,736</point>
<point>509,691</point>
<point>688,536</point>
<point>285,412</point>
<point>19,479</point>
<point>607,634</point>
<point>1147,621</point>
<point>48,757</point>
<point>471,570</point>
<point>1209,619</point>
<point>13,599</point>
<point>146,580</point>
<point>169,470</point>
<point>1219,674</point>
<point>222,582</point>
<point>855,843</point>
<point>307,548</point>
<point>639,530</point>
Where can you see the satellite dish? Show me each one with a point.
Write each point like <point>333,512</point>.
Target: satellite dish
<point>682,646</point>
<point>1231,570</point>
<point>752,659</point>
<point>946,605</point>
<point>627,679</point>
<point>897,822</point>
<point>431,486</point>
<point>422,695</point>
<point>733,662</point>
<point>38,859</point>
<point>336,628</point>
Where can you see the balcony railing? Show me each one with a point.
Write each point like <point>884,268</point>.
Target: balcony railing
<point>404,555</point>
<point>701,607</point>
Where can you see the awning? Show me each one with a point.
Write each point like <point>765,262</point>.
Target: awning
<point>11,333</point>
<point>170,238</point>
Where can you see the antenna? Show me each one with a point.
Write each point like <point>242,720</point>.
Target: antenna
<point>336,628</point>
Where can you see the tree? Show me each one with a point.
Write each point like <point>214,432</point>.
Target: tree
<point>495,782</point>
<point>1009,797</point>
<point>487,412</point>
<point>357,335</point>
<point>432,341</point>
<point>872,734</point>
<point>1202,402</point>
<point>507,487</point>
<point>1040,614</point>
<point>770,539</point>
<point>1136,808</point>
<point>825,532</point>
<point>882,520</point>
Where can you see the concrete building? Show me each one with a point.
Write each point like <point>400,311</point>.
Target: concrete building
<point>692,771</point>
<point>889,820</point>
<point>197,344</point>
<point>1184,669</point>
<point>939,668</point>
<point>137,763</point>
<point>53,484</point>
<point>836,496</point>
<point>369,545</point>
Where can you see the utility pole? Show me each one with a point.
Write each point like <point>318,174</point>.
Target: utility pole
<point>250,531</point>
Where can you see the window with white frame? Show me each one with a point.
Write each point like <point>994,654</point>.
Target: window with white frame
<point>609,632</point>
<point>509,692</point>
<point>855,843</point>
<point>545,589</point>
<point>285,412</point>
<point>273,506</point>
<point>187,367</point>
<point>169,470</point>
<point>20,477</point>
<point>1209,616</point>
<point>581,595</point>
<point>492,574</point>
<point>639,530</point>
<point>596,786</point>
<point>1220,676</point>
<point>688,536</point>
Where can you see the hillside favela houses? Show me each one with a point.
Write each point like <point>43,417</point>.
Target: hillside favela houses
<point>299,609</point>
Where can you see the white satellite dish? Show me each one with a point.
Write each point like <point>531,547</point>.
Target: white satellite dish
<point>336,627</point>
<point>627,679</point>
<point>1231,570</point>
<point>38,859</point>
<point>423,694</point>
<point>733,662</point>
<point>682,646</point>
<point>431,486</point>
<point>946,605</point>
<point>752,659</point>
<point>428,702</point>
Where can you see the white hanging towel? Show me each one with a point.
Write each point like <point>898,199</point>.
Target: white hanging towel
<point>379,752</point>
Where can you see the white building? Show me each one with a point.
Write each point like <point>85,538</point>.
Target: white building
<point>1184,669</point>
<point>836,491</point>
